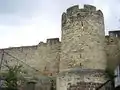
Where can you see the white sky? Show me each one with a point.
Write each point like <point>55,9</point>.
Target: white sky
<point>27,22</point>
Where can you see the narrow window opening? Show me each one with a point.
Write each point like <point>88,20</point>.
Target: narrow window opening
<point>82,24</point>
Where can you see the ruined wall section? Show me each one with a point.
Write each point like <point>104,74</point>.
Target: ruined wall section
<point>112,48</point>
<point>83,38</point>
<point>42,59</point>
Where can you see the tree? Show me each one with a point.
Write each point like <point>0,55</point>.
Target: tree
<point>12,77</point>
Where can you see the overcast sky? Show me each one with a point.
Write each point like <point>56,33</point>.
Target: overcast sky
<point>27,22</point>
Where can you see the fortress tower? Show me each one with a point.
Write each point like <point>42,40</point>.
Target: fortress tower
<point>78,62</point>
<point>83,58</point>
<point>83,38</point>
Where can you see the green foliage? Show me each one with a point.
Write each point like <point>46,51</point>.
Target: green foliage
<point>12,77</point>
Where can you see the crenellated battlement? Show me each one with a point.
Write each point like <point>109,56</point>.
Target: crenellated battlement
<point>89,8</point>
<point>52,41</point>
<point>75,13</point>
<point>74,9</point>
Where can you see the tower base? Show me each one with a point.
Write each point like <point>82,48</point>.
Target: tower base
<point>81,79</point>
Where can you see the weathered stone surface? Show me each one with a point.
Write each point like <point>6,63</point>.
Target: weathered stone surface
<point>80,78</point>
<point>43,57</point>
<point>83,39</point>
<point>112,49</point>
<point>83,45</point>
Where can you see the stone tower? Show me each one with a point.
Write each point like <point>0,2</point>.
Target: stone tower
<point>83,59</point>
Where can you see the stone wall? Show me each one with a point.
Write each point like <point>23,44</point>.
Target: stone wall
<point>80,79</point>
<point>83,38</point>
<point>42,58</point>
<point>85,86</point>
<point>41,83</point>
<point>82,33</point>
<point>83,46</point>
<point>112,52</point>
<point>112,48</point>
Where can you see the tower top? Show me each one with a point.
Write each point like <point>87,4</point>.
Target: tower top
<point>74,9</point>
<point>75,13</point>
<point>86,8</point>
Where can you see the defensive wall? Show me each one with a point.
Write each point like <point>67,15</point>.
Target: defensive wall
<point>81,57</point>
